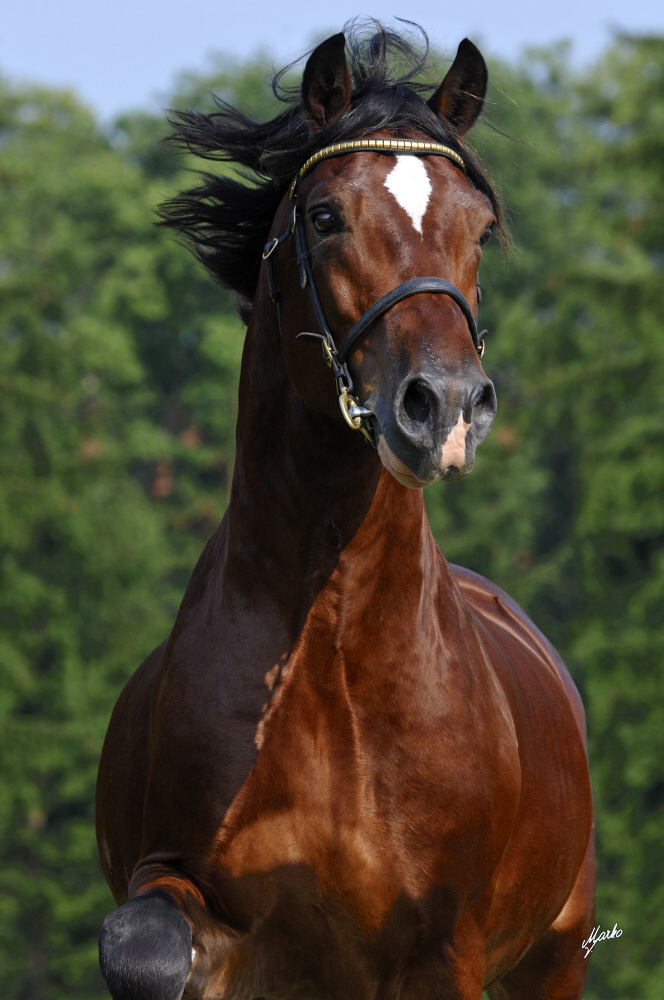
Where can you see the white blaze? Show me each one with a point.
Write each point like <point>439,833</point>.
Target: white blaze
<point>454,446</point>
<point>409,182</point>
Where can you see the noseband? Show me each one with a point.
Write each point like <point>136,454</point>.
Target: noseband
<point>337,358</point>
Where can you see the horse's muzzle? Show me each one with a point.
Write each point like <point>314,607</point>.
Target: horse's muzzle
<point>433,427</point>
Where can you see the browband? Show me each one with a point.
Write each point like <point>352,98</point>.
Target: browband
<point>421,147</point>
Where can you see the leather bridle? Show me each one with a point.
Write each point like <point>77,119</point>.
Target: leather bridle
<point>355,415</point>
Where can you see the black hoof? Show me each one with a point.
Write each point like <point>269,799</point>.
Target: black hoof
<point>145,949</point>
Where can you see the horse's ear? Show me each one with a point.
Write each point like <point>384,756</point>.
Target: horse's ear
<point>326,84</point>
<point>460,97</point>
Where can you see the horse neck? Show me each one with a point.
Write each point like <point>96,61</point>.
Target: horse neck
<point>308,494</point>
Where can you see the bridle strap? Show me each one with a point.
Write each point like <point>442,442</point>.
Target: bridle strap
<point>330,353</point>
<point>416,286</point>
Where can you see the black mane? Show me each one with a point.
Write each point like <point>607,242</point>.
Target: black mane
<point>226,223</point>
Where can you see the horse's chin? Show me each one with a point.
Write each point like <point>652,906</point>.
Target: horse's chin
<point>400,471</point>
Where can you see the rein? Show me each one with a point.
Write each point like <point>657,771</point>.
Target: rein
<point>355,415</point>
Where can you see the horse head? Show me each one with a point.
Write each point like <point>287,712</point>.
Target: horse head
<point>369,221</point>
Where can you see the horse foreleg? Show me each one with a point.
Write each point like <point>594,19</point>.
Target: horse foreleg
<point>452,969</point>
<point>165,940</point>
<point>145,949</point>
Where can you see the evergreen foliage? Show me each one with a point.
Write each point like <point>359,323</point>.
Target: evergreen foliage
<point>119,362</point>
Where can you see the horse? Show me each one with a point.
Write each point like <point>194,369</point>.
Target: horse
<point>352,770</point>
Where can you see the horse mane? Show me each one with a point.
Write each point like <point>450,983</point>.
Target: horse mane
<point>225,222</point>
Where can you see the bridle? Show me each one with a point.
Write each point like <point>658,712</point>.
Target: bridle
<point>355,415</point>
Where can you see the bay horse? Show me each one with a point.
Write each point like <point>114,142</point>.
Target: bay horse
<point>352,770</point>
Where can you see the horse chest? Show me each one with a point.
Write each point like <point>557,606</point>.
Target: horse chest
<point>364,809</point>
<point>351,850</point>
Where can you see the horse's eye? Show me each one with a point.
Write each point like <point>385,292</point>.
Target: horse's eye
<point>486,236</point>
<point>324,222</point>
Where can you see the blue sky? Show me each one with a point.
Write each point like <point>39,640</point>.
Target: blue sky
<point>121,54</point>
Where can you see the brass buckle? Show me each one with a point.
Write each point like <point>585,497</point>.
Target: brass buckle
<point>345,402</point>
<point>481,349</point>
<point>327,353</point>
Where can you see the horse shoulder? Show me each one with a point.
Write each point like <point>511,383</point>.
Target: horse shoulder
<point>506,621</point>
<point>535,873</point>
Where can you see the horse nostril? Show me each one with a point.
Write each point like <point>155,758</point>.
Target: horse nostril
<point>417,402</point>
<point>482,396</point>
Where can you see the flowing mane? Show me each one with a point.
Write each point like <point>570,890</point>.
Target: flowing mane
<point>226,223</point>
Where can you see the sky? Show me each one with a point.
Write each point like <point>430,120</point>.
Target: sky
<point>125,54</point>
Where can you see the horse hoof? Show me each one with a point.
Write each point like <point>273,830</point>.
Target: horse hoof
<point>145,950</point>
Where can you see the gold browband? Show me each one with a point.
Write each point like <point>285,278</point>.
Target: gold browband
<point>380,146</point>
